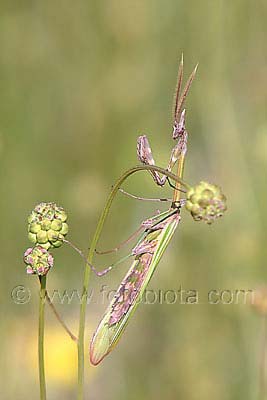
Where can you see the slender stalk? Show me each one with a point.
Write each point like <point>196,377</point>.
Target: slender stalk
<point>263,355</point>
<point>41,338</point>
<point>90,256</point>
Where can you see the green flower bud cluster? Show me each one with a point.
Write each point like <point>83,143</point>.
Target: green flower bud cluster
<point>47,225</point>
<point>206,202</point>
<point>38,260</point>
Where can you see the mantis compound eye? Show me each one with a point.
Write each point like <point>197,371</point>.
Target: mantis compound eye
<point>206,202</point>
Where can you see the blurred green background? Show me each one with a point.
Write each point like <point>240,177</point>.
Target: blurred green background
<point>79,81</point>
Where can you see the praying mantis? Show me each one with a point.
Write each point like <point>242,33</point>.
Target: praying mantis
<point>157,234</point>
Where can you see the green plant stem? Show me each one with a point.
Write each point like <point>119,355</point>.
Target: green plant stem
<point>92,248</point>
<point>263,355</point>
<point>41,338</point>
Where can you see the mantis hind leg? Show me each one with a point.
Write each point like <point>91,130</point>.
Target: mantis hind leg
<point>144,227</point>
<point>96,272</point>
<point>133,196</point>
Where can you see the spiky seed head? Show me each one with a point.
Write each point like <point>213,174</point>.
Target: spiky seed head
<point>47,225</point>
<point>206,202</point>
<point>38,260</point>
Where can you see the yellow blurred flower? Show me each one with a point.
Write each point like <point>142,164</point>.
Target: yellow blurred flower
<point>60,357</point>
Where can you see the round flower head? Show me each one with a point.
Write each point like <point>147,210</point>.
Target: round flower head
<point>47,225</point>
<point>38,260</point>
<point>206,202</point>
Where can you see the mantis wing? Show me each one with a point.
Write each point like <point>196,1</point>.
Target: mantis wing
<point>129,294</point>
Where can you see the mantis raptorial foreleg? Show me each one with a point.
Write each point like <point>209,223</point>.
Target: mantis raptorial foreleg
<point>144,152</point>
